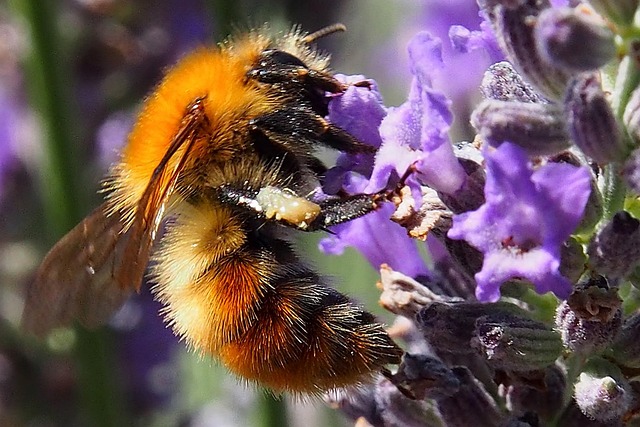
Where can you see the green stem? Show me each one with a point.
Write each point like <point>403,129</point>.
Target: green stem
<point>613,192</point>
<point>626,82</point>
<point>62,198</point>
<point>47,89</point>
<point>628,73</point>
<point>574,364</point>
<point>102,397</point>
<point>273,411</point>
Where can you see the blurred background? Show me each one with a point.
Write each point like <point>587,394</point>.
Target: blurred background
<point>72,75</point>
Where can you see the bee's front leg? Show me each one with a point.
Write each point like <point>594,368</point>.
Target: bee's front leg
<point>286,207</point>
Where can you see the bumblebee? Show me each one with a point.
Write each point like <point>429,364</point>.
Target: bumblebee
<point>222,157</point>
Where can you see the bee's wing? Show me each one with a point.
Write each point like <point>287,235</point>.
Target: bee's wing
<point>73,281</point>
<point>89,273</point>
<point>149,211</point>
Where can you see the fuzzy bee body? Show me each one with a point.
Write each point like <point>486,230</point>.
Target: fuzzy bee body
<point>224,148</point>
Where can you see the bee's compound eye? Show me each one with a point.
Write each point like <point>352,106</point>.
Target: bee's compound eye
<point>280,57</point>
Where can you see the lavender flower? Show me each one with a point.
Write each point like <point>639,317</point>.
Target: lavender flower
<point>614,251</point>
<point>418,128</point>
<point>465,40</point>
<point>591,121</point>
<point>525,219</point>
<point>469,46</point>
<point>414,133</point>
<point>513,23</point>
<point>557,138</point>
<point>539,128</point>
<point>502,83</point>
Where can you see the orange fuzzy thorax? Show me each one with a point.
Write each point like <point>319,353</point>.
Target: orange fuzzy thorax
<point>216,74</point>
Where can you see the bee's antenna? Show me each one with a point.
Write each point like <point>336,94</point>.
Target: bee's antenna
<point>322,32</point>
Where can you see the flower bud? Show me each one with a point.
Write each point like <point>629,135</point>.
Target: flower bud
<point>601,392</point>
<point>514,26</point>
<point>528,420</point>
<point>572,260</point>
<point>356,404</point>
<point>591,122</point>
<point>619,11</point>
<point>573,417</point>
<point>382,404</point>
<point>402,294</point>
<point>396,410</point>
<point>591,317</point>
<point>626,347</point>
<point>509,4</point>
<point>465,257</point>
<point>514,343</point>
<point>425,377</point>
<point>503,83</point>
<point>615,250</point>
<point>541,393</point>
<point>471,405</point>
<point>574,39</point>
<point>538,128</point>
<point>450,326</point>
<point>453,280</point>
<point>470,196</point>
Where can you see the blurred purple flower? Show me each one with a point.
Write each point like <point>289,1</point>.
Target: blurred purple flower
<point>9,117</point>
<point>524,221</point>
<point>463,71</point>
<point>188,26</point>
<point>112,135</point>
<point>563,3</point>
<point>147,349</point>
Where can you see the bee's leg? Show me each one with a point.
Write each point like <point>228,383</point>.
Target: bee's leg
<point>299,124</point>
<point>337,211</point>
<point>278,67</point>
<point>317,167</point>
<point>284,206</point>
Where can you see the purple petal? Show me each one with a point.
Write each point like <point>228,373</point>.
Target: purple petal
<point>359,111</point>
<point>380,241</point>
<point>417,131</point>
<point>525,219</point>
<point>464,40</point>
